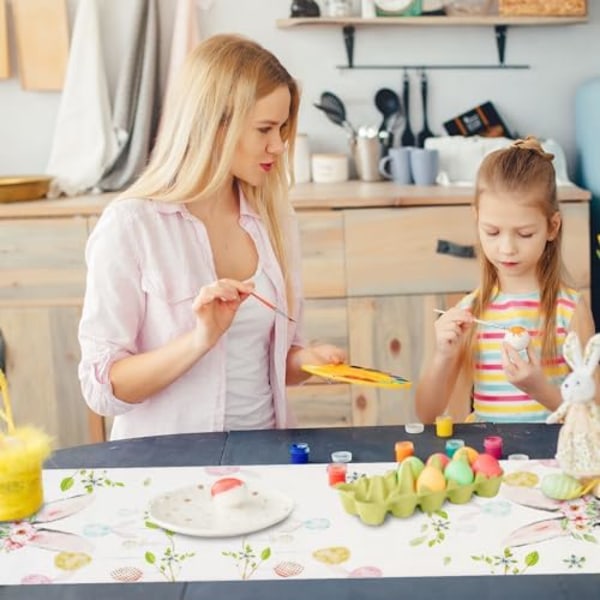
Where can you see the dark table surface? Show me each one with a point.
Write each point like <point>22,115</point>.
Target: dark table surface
<point>367,444</point>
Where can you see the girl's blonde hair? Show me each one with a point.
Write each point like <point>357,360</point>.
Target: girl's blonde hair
<point>206,110</point>
<point>525,169</point>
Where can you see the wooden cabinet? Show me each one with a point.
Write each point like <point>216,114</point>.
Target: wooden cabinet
<point>42,279</point>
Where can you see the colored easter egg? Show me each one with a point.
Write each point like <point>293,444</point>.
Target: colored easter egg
<point>71,561</point>
<point>439,460</point>
<point>560,486</point>
<point>431,479</point>
<point>126,574</point>
<point>415,463</point>
<point>487,465</point>
<point>517,337</point>
<point>466,451</point>
<point>229,492</point>
<point>522,479</point>
<point>459,471</point>
<point>406,478</point>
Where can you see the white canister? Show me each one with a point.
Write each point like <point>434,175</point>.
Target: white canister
<point>329,168</point>
<point>301,159</point>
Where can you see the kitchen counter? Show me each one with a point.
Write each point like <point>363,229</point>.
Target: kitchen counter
<point>306,196</point>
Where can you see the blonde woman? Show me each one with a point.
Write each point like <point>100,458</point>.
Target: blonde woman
<point>172,341</point>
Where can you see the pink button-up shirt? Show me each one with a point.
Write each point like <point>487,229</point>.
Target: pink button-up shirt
<point>146,263</point>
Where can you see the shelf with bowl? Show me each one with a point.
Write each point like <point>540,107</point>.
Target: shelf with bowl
<point>500,23</point>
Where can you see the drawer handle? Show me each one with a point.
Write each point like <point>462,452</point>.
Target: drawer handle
<point>446,247</point>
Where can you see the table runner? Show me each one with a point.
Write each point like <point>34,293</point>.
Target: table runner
<point>95,528</point>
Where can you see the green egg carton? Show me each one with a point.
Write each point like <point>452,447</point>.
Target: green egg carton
<point>371,498</point>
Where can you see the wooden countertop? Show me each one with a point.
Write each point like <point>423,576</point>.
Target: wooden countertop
<point>306,196</point>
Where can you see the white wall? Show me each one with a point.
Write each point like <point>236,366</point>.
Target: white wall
<point>538,101</point>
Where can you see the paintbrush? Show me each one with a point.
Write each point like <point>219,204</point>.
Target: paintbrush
<point>480,321</point>
<point>272,306</point>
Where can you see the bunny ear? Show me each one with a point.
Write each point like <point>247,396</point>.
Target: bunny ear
<point>592,353</point>
<point>572,351</point>
<point>536,532</point>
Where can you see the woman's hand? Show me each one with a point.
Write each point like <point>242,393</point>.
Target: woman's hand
<point>450,330</point>
<point>216,305</point>
<point>319,354</point>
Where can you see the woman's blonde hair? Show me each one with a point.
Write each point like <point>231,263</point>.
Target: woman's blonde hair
<point>205,113</point>
<point>525,169</point>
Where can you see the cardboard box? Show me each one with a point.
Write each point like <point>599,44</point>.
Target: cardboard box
<point>543,8</point>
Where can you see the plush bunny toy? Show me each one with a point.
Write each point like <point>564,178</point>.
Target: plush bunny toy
<point>578,450</point>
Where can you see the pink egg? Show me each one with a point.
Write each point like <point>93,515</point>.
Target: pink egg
<point>487,465</point>
<point>229,492</point>
<point>439,460</point>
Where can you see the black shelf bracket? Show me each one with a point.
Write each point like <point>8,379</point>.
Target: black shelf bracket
<point>348,31</point>
<point>499,31</point>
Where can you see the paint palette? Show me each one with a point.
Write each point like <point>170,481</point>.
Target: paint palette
<point>358,375</point>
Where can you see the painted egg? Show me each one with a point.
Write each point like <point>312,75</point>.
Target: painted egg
<point>459,471</point>
<point>560,486</point>
<point>487,465</point>
<point>431,480</point>
<point>439,460</point>
<point>406,478</point>
<point>466,451</point>
<point>517,337</point>
<point>229,492</point>
<point>415,464</point>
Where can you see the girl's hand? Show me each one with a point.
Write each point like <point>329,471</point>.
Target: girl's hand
<point>450,330</point>
<point>527,375</point>
<point>216,305</point>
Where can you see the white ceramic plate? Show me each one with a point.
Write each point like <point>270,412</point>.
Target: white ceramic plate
<point>191,511</point>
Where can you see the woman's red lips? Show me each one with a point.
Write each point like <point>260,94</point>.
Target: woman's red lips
<point>266,166</point>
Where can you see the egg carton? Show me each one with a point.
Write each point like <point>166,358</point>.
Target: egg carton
<point>371,498</point>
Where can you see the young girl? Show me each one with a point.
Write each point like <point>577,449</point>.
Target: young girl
<point>522,284</point>
<point>172,338</point>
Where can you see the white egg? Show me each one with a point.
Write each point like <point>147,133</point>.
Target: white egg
<point>229,492</point>
<point>517,337</point>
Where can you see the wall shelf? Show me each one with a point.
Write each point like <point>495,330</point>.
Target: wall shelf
<point>498,22</point>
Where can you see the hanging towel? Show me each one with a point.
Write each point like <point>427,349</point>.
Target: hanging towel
<point>84,142</point>
<point>136,106</point>
<point>186,36</point>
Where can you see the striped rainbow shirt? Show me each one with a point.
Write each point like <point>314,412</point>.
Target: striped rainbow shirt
<point>494,398</point>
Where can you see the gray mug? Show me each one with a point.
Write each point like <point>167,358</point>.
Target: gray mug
<point>424,164</point>
<point>396,165</point>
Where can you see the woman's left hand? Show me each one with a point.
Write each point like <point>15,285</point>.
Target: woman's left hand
<point>319,354</point>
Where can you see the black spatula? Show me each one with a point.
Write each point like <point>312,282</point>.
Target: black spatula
<point>407,138</point>
<point>425,132</point>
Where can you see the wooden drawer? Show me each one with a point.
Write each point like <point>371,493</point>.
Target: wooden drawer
<point>394,251</point>
<point>42,261</point>
<point>322,239</point>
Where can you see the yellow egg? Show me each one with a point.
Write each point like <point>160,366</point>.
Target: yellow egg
<point>466,452</point>
<point>431,480</point>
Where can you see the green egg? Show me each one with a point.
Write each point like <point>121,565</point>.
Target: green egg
<point>459,471</point>
<point>559,486</point>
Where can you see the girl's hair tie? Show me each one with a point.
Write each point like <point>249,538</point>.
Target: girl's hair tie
<point>532,143</point>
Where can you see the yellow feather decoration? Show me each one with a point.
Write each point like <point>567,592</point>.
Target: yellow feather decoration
<point>23,451</point>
